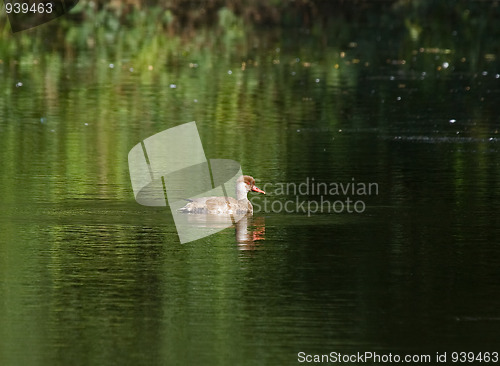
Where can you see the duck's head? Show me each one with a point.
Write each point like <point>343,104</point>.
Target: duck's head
<point>245,184</point>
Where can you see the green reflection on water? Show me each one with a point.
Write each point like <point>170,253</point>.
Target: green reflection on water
<point>91,277</point>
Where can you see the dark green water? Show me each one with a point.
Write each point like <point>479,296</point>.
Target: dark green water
<point>90,277</point>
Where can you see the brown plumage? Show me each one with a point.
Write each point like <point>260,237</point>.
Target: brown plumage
<point>226,205</point>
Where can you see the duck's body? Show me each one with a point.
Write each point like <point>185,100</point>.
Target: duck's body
<point>225,205</point>
<point>218,205</point>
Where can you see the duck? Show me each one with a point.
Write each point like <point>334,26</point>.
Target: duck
<point>225,205</point>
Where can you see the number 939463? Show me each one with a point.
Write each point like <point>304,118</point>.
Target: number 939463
<point>15,7</point>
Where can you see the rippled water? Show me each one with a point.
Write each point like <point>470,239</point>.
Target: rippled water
<point>88,276</point>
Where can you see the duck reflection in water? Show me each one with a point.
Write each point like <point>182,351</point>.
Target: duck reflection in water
<point>250,231</point>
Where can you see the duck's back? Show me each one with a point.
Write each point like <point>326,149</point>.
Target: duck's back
<point>217,205</point>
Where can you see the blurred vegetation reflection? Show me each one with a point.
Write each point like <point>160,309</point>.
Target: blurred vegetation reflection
<point>402,93</point>
<point>132,67</point>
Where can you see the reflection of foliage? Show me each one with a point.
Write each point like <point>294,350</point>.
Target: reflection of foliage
<point>78,93</point>
<point>127,73</point>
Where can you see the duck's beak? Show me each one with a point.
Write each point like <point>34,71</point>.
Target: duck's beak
<point>257,189</point>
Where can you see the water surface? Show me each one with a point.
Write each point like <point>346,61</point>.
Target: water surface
<point>90,277</point>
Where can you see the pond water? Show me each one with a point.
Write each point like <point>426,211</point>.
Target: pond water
<point>90,277</point>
